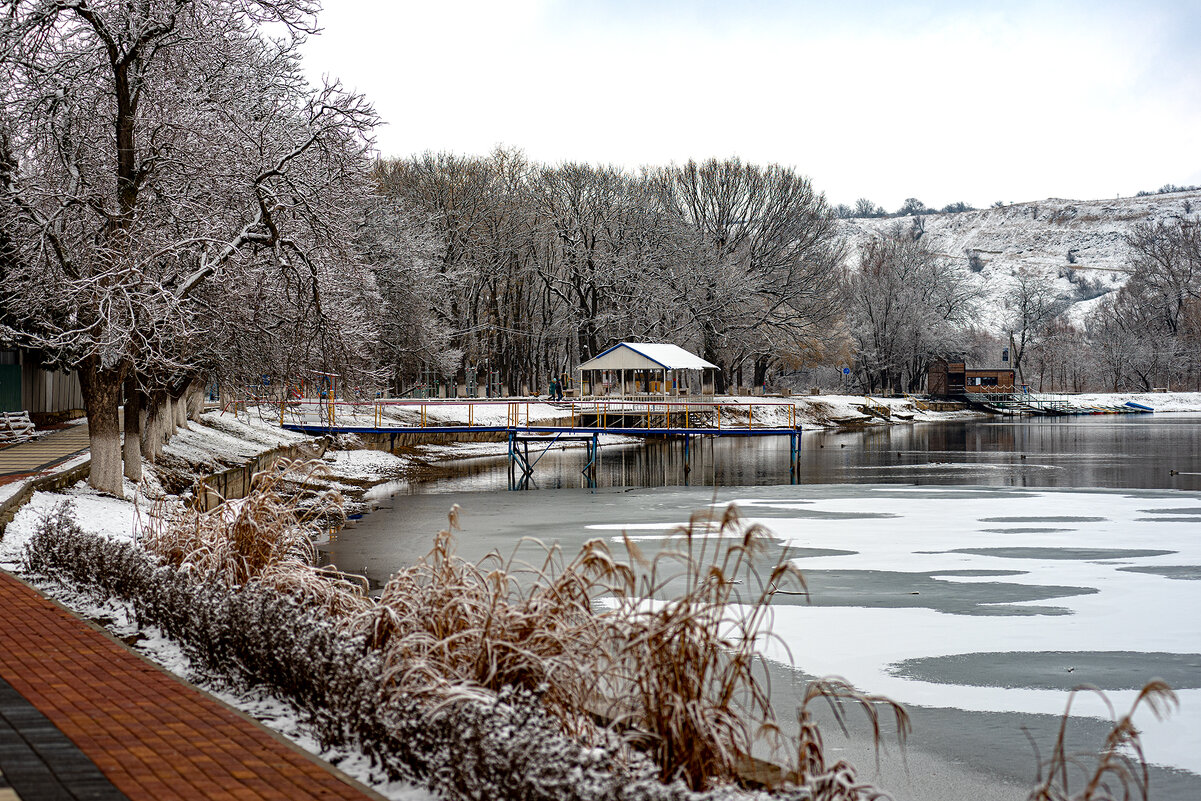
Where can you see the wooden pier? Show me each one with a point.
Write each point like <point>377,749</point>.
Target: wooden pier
<point>542,423</point>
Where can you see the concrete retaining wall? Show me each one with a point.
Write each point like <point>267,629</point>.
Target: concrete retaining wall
<point>234,483</point>
<point>51,483</point>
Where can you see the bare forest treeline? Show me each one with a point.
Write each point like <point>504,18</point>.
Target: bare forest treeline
<point>540,268</point>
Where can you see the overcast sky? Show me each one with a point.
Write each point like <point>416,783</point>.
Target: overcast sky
<point>943,100</point>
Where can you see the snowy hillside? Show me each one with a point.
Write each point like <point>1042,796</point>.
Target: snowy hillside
<point>1080,244</point>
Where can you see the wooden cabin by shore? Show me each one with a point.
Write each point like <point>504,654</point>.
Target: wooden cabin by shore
<point>946,379</point>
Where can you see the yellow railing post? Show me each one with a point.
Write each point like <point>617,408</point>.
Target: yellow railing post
<point>470,414</point>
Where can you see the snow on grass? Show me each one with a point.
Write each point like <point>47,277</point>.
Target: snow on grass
<point>105,515</point>
<point>1159,401</point>
<point>10,489</point>
<point>223,437</point>
<point>365,464</point>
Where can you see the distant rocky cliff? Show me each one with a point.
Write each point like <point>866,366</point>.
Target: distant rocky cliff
<point>1081,244</point>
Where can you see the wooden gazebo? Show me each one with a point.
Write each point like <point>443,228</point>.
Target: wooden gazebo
<point>657,368</point>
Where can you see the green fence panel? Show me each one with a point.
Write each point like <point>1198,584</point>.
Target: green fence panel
<point>10,387</point>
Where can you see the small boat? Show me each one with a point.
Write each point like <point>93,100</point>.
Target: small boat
<point>1139,407</point>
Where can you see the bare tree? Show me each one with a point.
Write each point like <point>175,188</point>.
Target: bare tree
<point>149,149</point>
<point>771,236</point>
<point>905,305</point>
<point>866,208</point>
<point>1033,303</point>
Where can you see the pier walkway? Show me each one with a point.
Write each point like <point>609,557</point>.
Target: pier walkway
<point>654,416</point>
<point>83,717</point>
<point>1011,401</point>
<point>530,421</point>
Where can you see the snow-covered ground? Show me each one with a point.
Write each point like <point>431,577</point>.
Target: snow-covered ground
<point>226,437</point>
<point>808,411</point>
<point>1080,244</point>
<point>119,519</point>
<point>1159,401</point>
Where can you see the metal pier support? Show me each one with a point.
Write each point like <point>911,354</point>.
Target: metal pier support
<point>687,458</point>
<point>794,458</point>
<point>520,468</point>
<point>589,470</point>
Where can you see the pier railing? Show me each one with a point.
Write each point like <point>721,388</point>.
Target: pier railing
<point>734,415</point>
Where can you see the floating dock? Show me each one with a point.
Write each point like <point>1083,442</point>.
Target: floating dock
<point>1005,400</point>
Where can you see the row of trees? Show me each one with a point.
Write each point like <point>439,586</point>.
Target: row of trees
<point>906,306</point>
<point>864,208</point>
<point>542,267</point>
<point>177,202</point>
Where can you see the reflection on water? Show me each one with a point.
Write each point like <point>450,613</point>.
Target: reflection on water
<point>1135,451</point>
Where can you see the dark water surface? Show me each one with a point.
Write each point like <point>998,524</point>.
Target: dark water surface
<point>1110,451</point>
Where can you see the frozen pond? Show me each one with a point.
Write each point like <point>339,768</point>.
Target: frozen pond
<point>977,602</point>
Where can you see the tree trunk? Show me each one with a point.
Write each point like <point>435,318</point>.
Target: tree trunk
<point>167,416</point>
<point>101,391</point>
<point>131,450</point>
<point>152,430</point>
<point>762,363</point>
<point>196,400</point>
<point>180,408</point>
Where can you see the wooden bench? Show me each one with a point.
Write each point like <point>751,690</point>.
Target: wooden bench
<point>15,427</point>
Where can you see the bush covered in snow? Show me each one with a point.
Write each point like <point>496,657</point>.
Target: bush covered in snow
<point>506,747</point>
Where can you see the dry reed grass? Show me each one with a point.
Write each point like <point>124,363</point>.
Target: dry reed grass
<point>686,674</point>
<point>454,630</point>
<point>838,781</point>
<point>1119,771</point>
<point>264,537</point>
<point>663,652</point>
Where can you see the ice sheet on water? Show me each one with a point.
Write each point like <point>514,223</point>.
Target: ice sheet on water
<point>943,535</point>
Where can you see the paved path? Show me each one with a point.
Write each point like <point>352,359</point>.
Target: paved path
<point>83,717</point>
<point>28,458</point>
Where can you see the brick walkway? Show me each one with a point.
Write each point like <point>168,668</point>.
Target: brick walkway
<point>150,735</point>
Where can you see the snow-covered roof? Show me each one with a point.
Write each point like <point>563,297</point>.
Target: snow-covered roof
<point>646,356</point>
